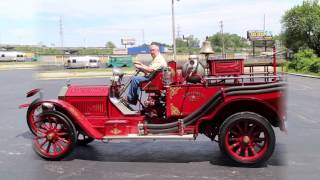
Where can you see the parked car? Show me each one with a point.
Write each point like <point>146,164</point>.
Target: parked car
<point>120,61</point>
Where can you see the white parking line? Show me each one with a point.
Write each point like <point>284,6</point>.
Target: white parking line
<point>307,120</point>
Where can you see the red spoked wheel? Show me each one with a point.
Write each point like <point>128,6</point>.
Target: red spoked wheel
<point>247,138</point>
<point>55,137</point>
<point>32,118</point>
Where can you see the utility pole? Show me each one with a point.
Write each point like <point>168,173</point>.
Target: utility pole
<point>85,42</point>
<point>264,31</point>
<point>264,22</point>
<point>222,38</point>
<point>61,38</point>
<point>178,31</point>
<point>173,31</point>
<point>61,31</point>
<point>143,42</point>
<point>187,38</point>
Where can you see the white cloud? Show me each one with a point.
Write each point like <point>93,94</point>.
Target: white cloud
<point>17,9</point>
<point>238,17</point>
<point>19,36</point>
<point>96,21</point>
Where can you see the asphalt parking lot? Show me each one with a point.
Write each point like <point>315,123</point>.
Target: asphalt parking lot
<point>296,155</point>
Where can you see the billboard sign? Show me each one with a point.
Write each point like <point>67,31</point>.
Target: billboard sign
<point>259,35</point>
<point>128,41</point>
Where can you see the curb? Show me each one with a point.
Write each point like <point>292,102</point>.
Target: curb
<point>16,67</point>
<point>20,68</point>
<point>304,75</point>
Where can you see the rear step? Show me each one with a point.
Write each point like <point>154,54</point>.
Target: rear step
<point>154,137</point>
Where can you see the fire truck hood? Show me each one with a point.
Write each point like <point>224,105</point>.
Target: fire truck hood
<point>84,90</point>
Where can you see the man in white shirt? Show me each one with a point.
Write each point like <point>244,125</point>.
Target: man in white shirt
<point>158,62</point>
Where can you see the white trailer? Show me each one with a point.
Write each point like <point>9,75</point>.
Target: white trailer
<point>83,62</point>
<point>12,56</point>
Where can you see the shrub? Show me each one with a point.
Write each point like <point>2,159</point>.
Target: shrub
<point>315,66</point>
<point>305,60</point>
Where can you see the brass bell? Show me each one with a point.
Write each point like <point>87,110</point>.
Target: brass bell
<point>206,48</point>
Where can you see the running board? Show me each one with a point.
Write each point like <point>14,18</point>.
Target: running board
<point>154,137</point>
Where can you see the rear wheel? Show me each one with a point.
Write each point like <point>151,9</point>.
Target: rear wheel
<point>247,138</point>
<point>55,137</point>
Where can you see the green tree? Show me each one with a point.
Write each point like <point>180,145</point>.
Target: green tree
<point>301,27</point>
<point>232,42</point>
<point>187,44</point>
<point>110,45</point>
<point>94,51</point>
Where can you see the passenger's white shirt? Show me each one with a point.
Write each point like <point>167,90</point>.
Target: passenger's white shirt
<point>158,62</point>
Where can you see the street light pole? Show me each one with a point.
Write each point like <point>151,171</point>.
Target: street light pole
<point>174,32</point>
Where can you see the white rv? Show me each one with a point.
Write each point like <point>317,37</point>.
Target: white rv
<point>83,62</point>
<point>12,56</point>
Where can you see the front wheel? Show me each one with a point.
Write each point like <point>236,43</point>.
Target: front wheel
<point>55,137</point>
<point>32,116</point>
<point>247,138</point>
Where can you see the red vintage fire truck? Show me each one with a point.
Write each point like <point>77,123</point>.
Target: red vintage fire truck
<point>216,98</point>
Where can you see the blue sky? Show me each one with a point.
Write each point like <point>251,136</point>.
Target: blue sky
<point>94,22</point>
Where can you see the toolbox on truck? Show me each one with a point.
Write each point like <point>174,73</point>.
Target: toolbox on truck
<point>223,67</point>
